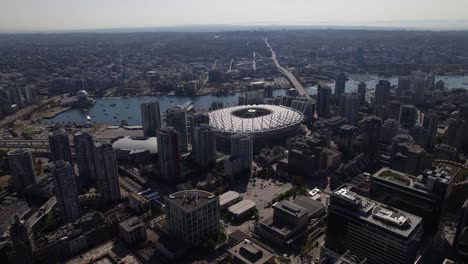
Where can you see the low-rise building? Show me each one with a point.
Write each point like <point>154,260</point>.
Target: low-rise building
<point>228,198</point>
<point>242,208</point>
<point>133,230</point>
<point>247,252</point>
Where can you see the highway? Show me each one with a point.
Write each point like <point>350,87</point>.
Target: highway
<point>296,84</point>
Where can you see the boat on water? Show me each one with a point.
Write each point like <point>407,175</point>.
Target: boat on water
<point>112,105</point>
<point>102,105</point>
<point>106,114</point>
<point>130,117</point>
<point>115,117</point>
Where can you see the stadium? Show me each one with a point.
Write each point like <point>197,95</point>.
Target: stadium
<point>263,122</point>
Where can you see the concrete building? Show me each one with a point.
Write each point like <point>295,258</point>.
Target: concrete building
<point>372,128</point>
<point>410,158</point>
<point>242,147</point>
<point>431,124</point>
<point>324,94</point>
<point>456,133</point>
<point>85,156</point>
<point>169,154</point>
<point>177,117</point>
<point>192,216</point>
<point>460,242</point>
<point>408,117</point>
<point>393,110</point>
<point>59,146</point>
<point>418,85</point>
<point>340,85</point>
<point>65,191</point>
<point>204,145</point>
<point>445,152</point>
<point>424,195</point>
<point>107,172</point>
<point>370,229</point>
<point>349,107</point>
<point>382,92</point>
<point>132,230</point>
<point>150,118</point>
<point>232,166</point>
<point>22,168</point>
<point>249,252</point>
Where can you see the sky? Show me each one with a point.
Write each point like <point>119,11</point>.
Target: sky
<point>27,15</point>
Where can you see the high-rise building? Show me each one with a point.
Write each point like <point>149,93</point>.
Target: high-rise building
<point>382,92</point>
<point>177,118</point>
<point>150,118</point>
<point>361,90</point>
<point>404,85</point>
<point>198,119</point>
<point>22,168</point>
<point>424,195</point>
<point>340,85</point>
<point>408,116</point>
<point>420,136</point>
<point>242,147</point>
<point>444,152</point>
<point>65,190</point>
<point>169,154</point>
<point>460,242</point>
<point>192,216</point>
<point>393,110</point>
<point>370,229</point>
<point>418,85</point>
<point>204,145</point>
<point>345,141</point>
<point>22,242</point>
<point>390,129</point>
<point>349,107</point>
<point>372,129</point>
<point>59,146</point>
<point>430,81</point>
<point>456,132</point>
<point>84,149</point>
<point>107,172</point>
<point>323,100</point>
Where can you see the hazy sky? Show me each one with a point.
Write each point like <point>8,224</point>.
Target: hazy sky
<point>91,14</point>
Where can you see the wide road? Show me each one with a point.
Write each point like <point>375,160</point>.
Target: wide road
<point>300,89</point>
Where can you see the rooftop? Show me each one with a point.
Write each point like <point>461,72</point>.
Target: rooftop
<point>290,208</point>
<point>241,207</point>
<point>250,252</point>
<point>395,221</point>
<point>109,252</point>
<point>228,197</point>
<point>190,200</point>
<point>136,144</point>
<point>132,223</point>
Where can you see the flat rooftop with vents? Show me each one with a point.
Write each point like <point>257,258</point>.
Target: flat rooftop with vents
<point>190,200</point>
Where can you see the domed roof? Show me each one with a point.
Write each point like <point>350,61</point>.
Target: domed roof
<point>82,94</point>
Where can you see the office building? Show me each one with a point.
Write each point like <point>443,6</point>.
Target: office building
<point>22,168</point>
<point>132,230</point>
<point>177,118</point>
<point>424,195</point>
<point>456,133</point>
<point>408,117</point>
<point>404,85</point>
<point>372,128</point>
<point>445,152</point>
<point>345,141</point>
<point>22,242</point>
<point>150,118</point>
<point>418,85</point>
<point>192,216</point>
<point>370,229</point>
<point>340,85</point>
<point>323,100</point>
<point>197,119</point>
<point>390,129</point>
<point>204,145</point>
<point>420,136</point>
<point>382,92</point>
<point>393,110</point>
<point>431,124</point>
<point>107,172</point>
<point>65,190</point>
<point>349,107</point>
<point>169,154</point>
<point>362,90</point>
<point>85,156</point>
<point>242,147</point>
<point>233,166</point>
<point>410,158</point>
<point>59,146</point>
